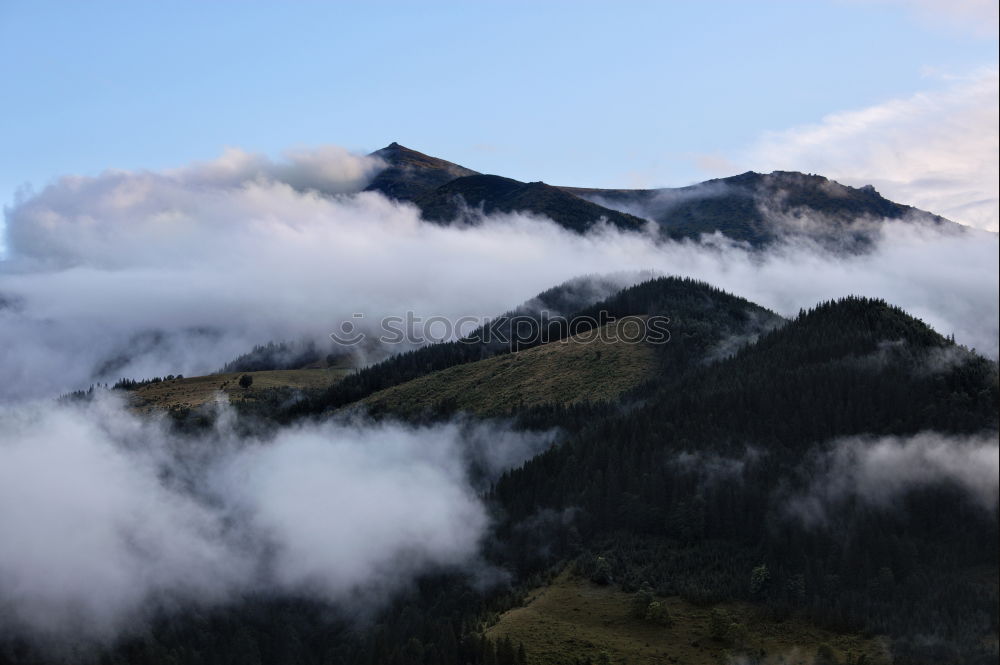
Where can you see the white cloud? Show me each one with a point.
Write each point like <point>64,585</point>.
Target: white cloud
<point>146,218</point>
<point>108,520</point>
<point>882,470</point>
<point>936,150</point>
<point>344,508</point>
<point>89,534</point>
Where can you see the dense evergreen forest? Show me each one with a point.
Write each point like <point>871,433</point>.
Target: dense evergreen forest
<point>853,367</point>
<point>688,486</point>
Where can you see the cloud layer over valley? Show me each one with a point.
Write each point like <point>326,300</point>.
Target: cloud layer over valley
<point>880,470</point>
<point>133,274</point>
<point>108,519</point>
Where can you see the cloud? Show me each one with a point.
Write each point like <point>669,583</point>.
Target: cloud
<point>879,471</point>
<point>90,534</point>
<point>345,509</point>
<point>109,520</point>
<point>145,218</point>
<point>936,150</point>
<point>141,274</point>
<point>660,202</point>
<point>715,469</point>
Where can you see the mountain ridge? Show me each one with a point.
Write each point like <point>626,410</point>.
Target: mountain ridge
<point>756,209</point>
<point>492,193</point>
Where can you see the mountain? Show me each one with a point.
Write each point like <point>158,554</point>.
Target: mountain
<point>598,364</point>
<point>704,323</point>
<point>745,480</point>
<point>409,174</point>
<point>753,208</point>
<point>464,198</point>
<point>759,208</point>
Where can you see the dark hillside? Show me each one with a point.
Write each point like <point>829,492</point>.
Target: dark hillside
<point>690,492</point>
<point>491,194</point>
<point>759,208</point>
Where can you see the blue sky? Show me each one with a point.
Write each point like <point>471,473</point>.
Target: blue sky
<point>583,93</point>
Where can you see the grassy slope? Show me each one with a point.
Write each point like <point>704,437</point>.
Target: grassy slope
<point>197,390</point>
<point>563,372</point>
<point>572,619</point>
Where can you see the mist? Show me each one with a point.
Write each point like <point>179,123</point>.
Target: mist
<point>658,202</point>
<point>110,520</point>
<point>138,274</point>
<point>879,471</point>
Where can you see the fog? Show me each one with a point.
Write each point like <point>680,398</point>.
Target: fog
<point>658,202</point>
<point>136,274</point>
<point>881,470</point>
<point>108,519</point>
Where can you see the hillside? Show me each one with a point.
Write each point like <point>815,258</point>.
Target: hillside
<point>574,620</point>
<point>191,392</point>
<point>705,324</point>
<point>578,369</point>
<point>488,194</point>
<point>691,491</point>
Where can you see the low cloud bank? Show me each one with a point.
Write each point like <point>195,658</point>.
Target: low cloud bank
<point>137,274</point>
<point>107,519</point>
<point>879,471</point>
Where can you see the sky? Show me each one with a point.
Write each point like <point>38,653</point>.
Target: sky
<point>640,94</point>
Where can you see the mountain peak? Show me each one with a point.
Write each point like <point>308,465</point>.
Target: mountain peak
<point>410,173</point>
<point>394,147</point>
